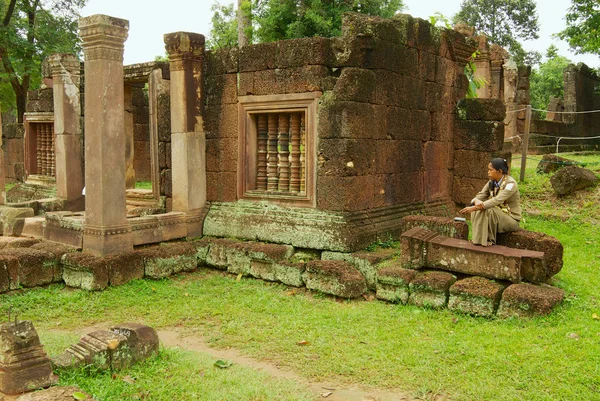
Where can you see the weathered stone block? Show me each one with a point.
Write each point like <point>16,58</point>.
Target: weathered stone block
<point>35,267</point>
<point>471,163</point>
<point>85,271</point>
<point>536,241</point>
<point>346,157</point>
<point>124,267</point>
<point>483,136</point>
<point>96,348</point>
<point>303,51</point>
<point>424,248</point>
<point>216,255</point>
<point>24,366</point>
<point>441,225</point>
<point>392,283</point>
<point>142,342</point>
<point>258,57</point>
<point>356,84</point>
<point>168,258</point>
<point>222,61</point>
<point>481,109</point>
<point>569,179</point>
<point>465,188</point>
<point>334,277</point>
<point>551,163</point>
<point>13,218</point>
<point>528,300</point>
<point>367,263</point>
<point>476,296</point>
<point>430,289</point>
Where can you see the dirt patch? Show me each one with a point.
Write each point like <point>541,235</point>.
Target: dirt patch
<point>336,391</point>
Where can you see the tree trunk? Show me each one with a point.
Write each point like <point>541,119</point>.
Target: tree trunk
<point>243,21</point>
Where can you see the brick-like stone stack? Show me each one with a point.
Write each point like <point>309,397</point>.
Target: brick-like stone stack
<point>141,134</point>
<point>12,146</point>
<point>478,138</point>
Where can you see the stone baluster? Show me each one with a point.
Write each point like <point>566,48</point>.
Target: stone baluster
<point>68,163</point>
<point>188,139</point>
<point>44,148</point>
<point>295,153</point>
<point>302,154</point>
<point>272,176</point>
<point>106,228</point>
<point>284,152</point>
<point>261,164</point>
<point>52,152</point>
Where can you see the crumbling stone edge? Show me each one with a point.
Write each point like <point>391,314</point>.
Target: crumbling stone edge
<point>345,275</point>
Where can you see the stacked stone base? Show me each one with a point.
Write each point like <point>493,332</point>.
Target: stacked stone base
<point>345,275</point>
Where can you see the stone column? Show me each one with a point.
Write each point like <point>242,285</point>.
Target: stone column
<point>67,126</point>
<point>188,140</point>
<point>129,127</point>
<point>106,228</point>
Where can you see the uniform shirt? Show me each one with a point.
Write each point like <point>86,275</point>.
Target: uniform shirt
<point>504,196</point>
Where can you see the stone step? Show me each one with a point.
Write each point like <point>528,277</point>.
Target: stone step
<point>140,194</point>
<point>422,248</point>
<point>33,227</point>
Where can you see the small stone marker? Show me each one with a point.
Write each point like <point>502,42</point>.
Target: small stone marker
<point>24,366</point>
<point>116,348</point>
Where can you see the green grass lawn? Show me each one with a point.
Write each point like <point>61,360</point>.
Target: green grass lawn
<point>371,343</point>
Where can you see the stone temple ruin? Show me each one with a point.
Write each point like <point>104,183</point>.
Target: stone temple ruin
<point>306,151</point>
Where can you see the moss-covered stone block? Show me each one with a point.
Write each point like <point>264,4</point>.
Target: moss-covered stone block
<point>217,252</point>
<point>9,266</point>
<point>476,296</point>
<point>125,267</point>
<point>85,270</point>
<point>481,109</point>
<point>366,262</point>
<point>335,277</point>
<point>169,258</point>
<point>393,283</point>
<point>34,267</point>
<point>528,300</point>
<point>430,289</point>
<point>58,250</point>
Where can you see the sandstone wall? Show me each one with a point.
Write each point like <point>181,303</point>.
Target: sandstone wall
<point>385,120</point>
<point>141,134</point>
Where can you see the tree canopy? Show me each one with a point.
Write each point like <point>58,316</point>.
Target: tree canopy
<point>31,30</point>
<point>583,26</point>
<point>286,19</point>
<point>547,80</point>
<point>504,22</point>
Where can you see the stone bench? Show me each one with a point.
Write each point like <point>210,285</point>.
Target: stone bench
<point>520,239</point>
<point>422,248</point>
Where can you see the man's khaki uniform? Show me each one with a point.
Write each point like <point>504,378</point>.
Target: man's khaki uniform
<point>502,211</point>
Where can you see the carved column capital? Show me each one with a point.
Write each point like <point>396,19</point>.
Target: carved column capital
<point>184,49</point>
<point>63,65</point>
<point>103,37</point>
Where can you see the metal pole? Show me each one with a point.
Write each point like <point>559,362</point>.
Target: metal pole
<point>525,142</point>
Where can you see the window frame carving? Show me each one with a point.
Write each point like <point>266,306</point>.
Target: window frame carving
<point>251,106</point>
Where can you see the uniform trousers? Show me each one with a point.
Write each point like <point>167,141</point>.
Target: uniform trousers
<point>488,222</point>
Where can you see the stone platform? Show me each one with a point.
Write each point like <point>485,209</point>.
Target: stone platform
<point>422,248</point>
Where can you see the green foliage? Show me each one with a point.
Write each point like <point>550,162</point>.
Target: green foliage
<point>31,30</point>
<point>504,22</point>
<point>583,22</point>
<point>286,19</point>
<point>475,83</point>
<point>223,32</point>
<point>547,80</point>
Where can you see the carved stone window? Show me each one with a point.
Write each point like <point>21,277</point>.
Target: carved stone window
<point>276,148</point>
<point>40,160</point>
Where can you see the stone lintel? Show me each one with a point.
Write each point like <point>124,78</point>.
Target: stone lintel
<point>424,248</point>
